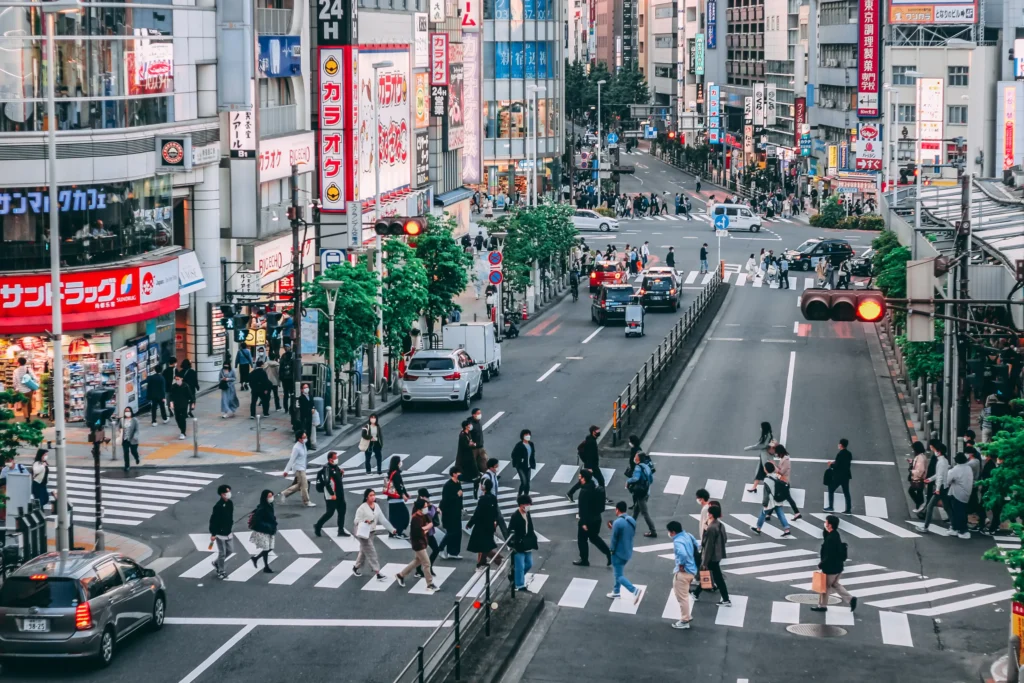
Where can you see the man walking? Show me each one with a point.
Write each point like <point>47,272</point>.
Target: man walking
<point>590,460</point>
<point>287,376</point>
<point>684,546</point>
<point>259,387</point>
<point>451,515</point>
<point>712,552</point>
<point>623,531</point>
<point>297,464</point>
<point>833,555</point>
<point>645,253</point>
<point>639,484</point>
<point>960,482</point>
<point>221,520</point>
<point>169,372</point>
<point>181,398</point>
<point>419,526</point>
<point>774,495</point>
<point>704,258</point>
<point>670,258</point>
<point>840,477</point>
<point>783,272</point>
<point>588,529</point>
<point>330,480</point>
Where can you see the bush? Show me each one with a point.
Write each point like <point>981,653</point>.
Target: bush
<point>605,211</point>
<point>815,220</point>
<point>831,213</point>
<point>872,222</point>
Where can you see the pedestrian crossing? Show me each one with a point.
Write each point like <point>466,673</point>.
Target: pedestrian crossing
<point>129,501</point>
<point>695,216</point>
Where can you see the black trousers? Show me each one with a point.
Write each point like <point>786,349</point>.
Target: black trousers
<point>163,409</point>
<point>277,397</point>
<point>261,397</point>
<point>289,395</point>
<point>832,488</point>
<point>783,279</point>
<point>181,416</point>
<point>597,476</point>
<point>716,578</point>
<point>524,480</point>
<point>593,535</point>
<point>332,507</point>
<point>243,373</point>
<point>371,451</point>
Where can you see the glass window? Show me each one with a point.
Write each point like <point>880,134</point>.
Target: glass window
<point>488,9</point>
<point>511,119</point>
<point>488,50</point>
<point>664,41</point>
<point>958,75</point>
<point>516,7</point>
<point>501,10</point>
<point>21,592</point>
<point>529,9</point>
<point>531,59</point>
<point>957,115</point>
<point>503,60</point>
<point>518,60</point>
<point>542,10</point>
<point>490,119</point>
<point>543,130</point>
<point>107,579</point>
<point>87,113</point>
<point>900,77</point>
<point>664,11</point>
<point>130,570</point>
<point>907,113</point>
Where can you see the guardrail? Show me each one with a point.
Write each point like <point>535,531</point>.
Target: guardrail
<point>633,398</point>
<point>485,593</point>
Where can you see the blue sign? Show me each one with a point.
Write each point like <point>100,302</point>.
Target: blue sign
<point>501,10</point>
<point>39,202</point>
<point>612,138</point>
<point>280,56</point>
<point>543,51</point>
<point>531,59</point>
<point>713,122</point>
<point>805,145</point>
<point>722,222</point>
<point>518,60</point>
<point>650,132</point>
<point>844,156</point>
<point>495,277</point>
<point>712,26</point>
<point>502,60</point>
<point>542,10</point>
<point>810,95</point>
<point>331,257</point>
<point>713,137</point>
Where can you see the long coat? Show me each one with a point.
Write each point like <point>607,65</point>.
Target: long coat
<point>228,397</point>
<point>483,522</point>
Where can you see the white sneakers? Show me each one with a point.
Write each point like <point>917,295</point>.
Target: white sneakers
<point>181,437</point>
<point>681,625</point>
<point>310,504</point>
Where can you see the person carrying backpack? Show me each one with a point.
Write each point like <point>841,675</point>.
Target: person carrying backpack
<point>590,459</point>
<point>774,494</point>
<point>833,556</point>
<point>591,506</point>
<point>330,482</point>
<point>639,485</point>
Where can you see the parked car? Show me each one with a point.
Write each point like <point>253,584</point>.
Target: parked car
<point>442,376</point>
<point>740,217</point>
<point>585,219</point>
<point>80,607</point>
<point>610,303</point>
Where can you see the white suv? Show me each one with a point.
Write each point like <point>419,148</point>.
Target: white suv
<point>442,376</point>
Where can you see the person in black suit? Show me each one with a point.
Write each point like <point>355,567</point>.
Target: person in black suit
<point>841,476</point>
<point>259,387</point>
<point>306,410</point>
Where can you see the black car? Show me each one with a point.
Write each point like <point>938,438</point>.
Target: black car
<point>659,290</point>
<point>610,303</point>
<point>807,255</point>
<point>861,265</point>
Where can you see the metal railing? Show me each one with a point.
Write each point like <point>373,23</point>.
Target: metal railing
<point>632,399</point>
<point>482,595</point>
<point>273,22</point>
<point>278,120</point>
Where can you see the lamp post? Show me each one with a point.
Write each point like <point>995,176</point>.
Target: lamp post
<point>330,288</point>
<point>534,123</point>
<point>378,349</point>
<point>599,133</point>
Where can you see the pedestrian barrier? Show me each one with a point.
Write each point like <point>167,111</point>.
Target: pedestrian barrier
<point>626,408</point>
<point>31,527</point>
<point>195,437</point>
<point>487,592</point>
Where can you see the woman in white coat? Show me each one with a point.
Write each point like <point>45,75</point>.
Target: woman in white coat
<point>368,516</point>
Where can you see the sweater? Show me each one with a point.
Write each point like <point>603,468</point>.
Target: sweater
<point>960,481</point>
<point>941,471</point>
<point>297,461</point>
<point>375,516</point>
<point>222,518</point>
<point>623,531</point>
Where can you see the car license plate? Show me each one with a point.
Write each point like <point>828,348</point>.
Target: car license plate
<point>432,380</point>
<point>657,296</point>
<point>35,625</point>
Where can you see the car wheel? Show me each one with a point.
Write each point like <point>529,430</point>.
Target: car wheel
<point>465,401</point>
<point>159,612</point>
<point>604,227</point>
<point>805,266</point>
<point>752,228</point>
<point>486,375</point>
<point>107,644</point>
<point>479,391</point>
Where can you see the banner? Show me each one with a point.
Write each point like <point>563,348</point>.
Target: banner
<point>930,112</point>
<point>421,41</point>
<point>748,110</point>
<point>769,104</point>
<point>390,119</point>
<point>438,59</point>
<point>331,146</point>
<point>711,20</point>
<point>869,39</point>
<point>914,12</point>
<point>799,119</point>
<point>422,158</point>
<point>869,147</point>
<point>453,131</point>
<point>422,100</point>
<point>472,150</point>
<point>759,105</point>
<point>698,54</point>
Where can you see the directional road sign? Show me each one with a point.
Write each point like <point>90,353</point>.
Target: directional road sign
<point>612,138</point>
<point>722,222</point>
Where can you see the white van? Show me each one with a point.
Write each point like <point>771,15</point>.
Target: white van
<point>479,341</point>
<point>740,216</point>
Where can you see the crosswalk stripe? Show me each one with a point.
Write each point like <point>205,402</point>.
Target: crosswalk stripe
<point>691,276</point>
<point>964,604</point>
<point>930,597</point>
<point>707,278</point>
<point>848,528</point>
<point>107,496</point>
<point>298,540</point>
<point>749,547</point>
<point>659,218</point>
<point>886,525</point>
<point>201,568</point>
<point>808,282</point>
<point>555,513</point>
<point>903,587</point>
<point>201,542</point>
<point>502,464</point>
<point>751,520</point>
<point>785,612</point>
<point>440,574</point>
<point>729,561</point>
<point>741,279</point>
<point>792,282</point>
<point>895,629</point>
<point>733,531</point>
<point>577,593</point>
<point>208,476</point>
<point>337,576</point>
<point>671,610</point>
<point>626,604</point>
<point>355,461</point>
<point>609,473</point>
<point>728,274</point>
<point>135,483</point>
<point>715,488</point>
<point>388,571</point>
<point>249,570</point>
<point>564,475</point>
<point>161,563</point>
<point>758,281</point>
<point>676,484</point>
<point>653,548</point>
<point>174,480</point>
<point>874,506</point>
<point>348,544</point>
<point>170,497</point>
<point>755,496</point>
<point>535,582</point>
<point>857,580</point>
<point>394,543</point>
<point>796,576</point>
<point>839,615</point>
<point>294,571</point>
<point>533,474</point>
<point>543,506</point>
<point>112,502</point>
<point>245,538</point>
<point>810,529</point>
<point>769,568</point>
<point>732,616</point>
<point>424,463</point>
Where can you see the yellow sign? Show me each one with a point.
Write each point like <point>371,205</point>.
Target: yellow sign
<point>256,337</point>
<point>1017,622</point>
<point>833,156</point>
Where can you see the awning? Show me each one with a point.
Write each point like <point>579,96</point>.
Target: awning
<point>453,197</point>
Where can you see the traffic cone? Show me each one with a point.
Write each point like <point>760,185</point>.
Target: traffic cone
<point>526,315</point>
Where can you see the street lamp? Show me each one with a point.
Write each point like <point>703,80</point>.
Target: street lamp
<point>534,124</point>
<point>330,288</point>
<point>378,349</point>
<point>599,84</point>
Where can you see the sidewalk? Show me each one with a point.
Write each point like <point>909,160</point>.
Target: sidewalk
<point>85,538</point>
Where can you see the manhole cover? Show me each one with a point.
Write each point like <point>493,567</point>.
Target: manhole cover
<point>816,630</point>
<point>811,599</point>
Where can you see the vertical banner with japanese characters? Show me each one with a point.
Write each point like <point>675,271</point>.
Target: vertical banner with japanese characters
<point>869,62</point>
<point>769,104</point>
<point>759,105</point>
<point>336,27</point>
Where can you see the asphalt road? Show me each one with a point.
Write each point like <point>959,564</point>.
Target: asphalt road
<point>814,382</point>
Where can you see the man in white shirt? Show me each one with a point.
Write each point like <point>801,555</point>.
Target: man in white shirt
<point>297,464</point>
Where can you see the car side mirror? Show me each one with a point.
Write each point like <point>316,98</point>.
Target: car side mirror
<point>149,573</point>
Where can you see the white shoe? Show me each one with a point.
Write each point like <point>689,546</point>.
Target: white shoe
<point>614,595</point>
<point>681,625</point>
<point>637,595</point>
<point>165,421</point>
<point>444,554</point>
<point>181,437</point>
<point>310,504</point>
<point>965,535</point>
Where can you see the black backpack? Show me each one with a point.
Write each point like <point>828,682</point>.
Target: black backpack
<point>781,493</point>
<point>321,479</point>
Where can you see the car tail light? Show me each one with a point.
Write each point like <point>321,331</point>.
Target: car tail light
<point>38,577</point>
<point>83,616</point>
<point>618,276</point>
<point>453,376</point>
<point>410,378</point>
<point>642,292</point>
<point>593,275</point>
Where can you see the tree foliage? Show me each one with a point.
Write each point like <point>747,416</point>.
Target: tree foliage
<point>1006,485</point>
<point>620,90</point>
<point>830,214</point>
<point>627,87</point>
<point>924,360</point>
<point>447,265</point>
<point>892,273</point>
<point>405,291</point>
<point>355,321</point>
<point>534,235</point>
<point>12,432</point>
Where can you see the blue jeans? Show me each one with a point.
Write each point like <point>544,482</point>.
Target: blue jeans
<point>618,567</point>
<point>523,564</point>
<point>779,514</point>
<point>704,265</point>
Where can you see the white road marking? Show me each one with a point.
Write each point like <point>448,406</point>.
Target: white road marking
<point>904,587</point>
<point>717,456</point>
<point>732,616</point>
<point>778,341</point>
<point>309,623</point>
<point>676,484</point>
<point>789,398</point>
<point>249,570</point>
<point>548,373</point>
<point>533,474</point>
<point>564,475</point>
<point>715,488</point>
<point>591,336</point>
<point>759,557</point>
<point>858,580</point>
<point>896,628</point>
<point>691,276</point>
<point>874,506</point>
<point>626,604</point>
<point>964,604</point>
<point>388,571</point>
<point>741,279</point>
<point>930,597</point>
<point>577,593</point>
<point>785,612</point>
<point>337,576</point>
<point>294,571</point>
<point>839,615</point>
<point>428,461</point>
<point>217,654</point>
<point>534,582</point>
<point>440,574</point>
<point>161,563</point>
<point>355,461</point>
<point>298,540</point>
<point>796,326</point>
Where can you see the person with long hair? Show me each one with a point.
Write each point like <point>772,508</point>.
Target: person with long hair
<point>129,437</point>
<point>40,477</point>
<point>394,489</point>
<point>368,516</point>
<point>371,441</point>
<point>783,467</point>
<point>264,529</point>
<point>485,520</point>
<point>228,395</point>
<point>764,443</point>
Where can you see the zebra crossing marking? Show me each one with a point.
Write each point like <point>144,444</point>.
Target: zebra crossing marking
<point>298,540</point>
<point>839,615</point>
<point>388,571</point>
<point>676,484</point>
<point>930,597</point>
<point>964,604</point>
<point>337,576</point>
<point>751,520</point>
<point>743,559</point>
<point>778,566</point>
<point>734,615</point>
<point>874,506</point>
<point>895,629</point>
<point>294,571</point>
<point>901,587</point>
<point>715,488</point>
<point>162,563</point>
<point>577,593</point>
<point>440,575</point>
<point>626,604</point>
<point>424,463</point>
<point>848,528</point>
<point>733,531</point>
<point>785,612</point>
<point>535,582</point>
<point>885,525</point>
<point>795,576</point>
<point>249,570</point>
<point>533,473</point>
<point>565,474</point>
<point>858,580</point>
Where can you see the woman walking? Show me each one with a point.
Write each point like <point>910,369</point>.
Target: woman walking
<point>368,516</point>
<point>264,529</point>
<point>191,378</point>
<point>918,471</point>
<point>371,441</point>
<point>243,359</point>
<point>524,540</point>
<point>395,491</point>
<point>464,456</point>
<point>783,466</point>
<point>762,446</point>
<point>228,395</point>
<point>129,438</point>
<point>485,520</point>
<point>712,552</point>
<point>524,460</point>
<point>751,267</point>
<point>40,477</point>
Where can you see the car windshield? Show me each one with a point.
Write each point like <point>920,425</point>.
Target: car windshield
<point>431,364</point>
<point>660,284</point>
<point>808,246</point>
<point>23,592</point>
<point>619,294</point>
<point>605,268</point>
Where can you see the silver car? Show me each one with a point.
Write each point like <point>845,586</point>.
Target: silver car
<point>442,376</point>
<point>81,607</point>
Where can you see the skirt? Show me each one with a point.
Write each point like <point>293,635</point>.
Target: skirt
<point>760,472</point>
<point>398,514</point>
<point>261,540</point>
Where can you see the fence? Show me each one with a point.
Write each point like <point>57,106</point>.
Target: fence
<point>923,398</point>
<point>632,399</point>
<point>470,613</point>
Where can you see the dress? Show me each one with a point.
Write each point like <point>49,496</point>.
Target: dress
<point>228,397</point>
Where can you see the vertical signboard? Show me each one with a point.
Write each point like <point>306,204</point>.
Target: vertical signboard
<point>242,134</point>
<point>472,150</point>
<point>748,110</point>
<point>1008,125</point>
<point>421,41</point>
<point>769,104</point>
<point>421,103</point>
<point>799,119</point>
<point>389,119</point>
<point>680,66</point>
<point>711,19</point>
<point>714,108</point>
<point>869,147</point>
<point>453,129</point>
<point>437,11</point>
<point>759,105</point>
<point>929,118</point>
<point>438,59</point>
<point>336,29</point>
<point>698,54</point>
<point>1018,61</point>
<point>869,40</point>
<point>422,158</point>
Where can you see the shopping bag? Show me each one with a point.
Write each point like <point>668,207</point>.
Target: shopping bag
<point>439,535</point>
<point>705,579</point>
<point>819,582</point>
<point>364,529</point>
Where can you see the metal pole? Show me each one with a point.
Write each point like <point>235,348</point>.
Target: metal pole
<point>195,437</point>
<point>917,198</point>
<point>599,142</point>
<point>888,136</point>
<point>895,144</point>
<point>947,365</point>
<point>97,438</point>
<point>296,298</point>
<point>55,296</point>
<point>258,416</point>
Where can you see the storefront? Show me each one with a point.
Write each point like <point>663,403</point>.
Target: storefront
<point>511,179</point>
<point>118,326</point>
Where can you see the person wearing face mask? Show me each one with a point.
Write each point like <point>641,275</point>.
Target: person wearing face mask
<point>264,528</point>
<point>368,517</point>
<point>181,398</point>
<point>833,556</point>
<point>394,489</point>
<point>524,460</point>
<point>297,464</point>
<point>331,481</point>
<point>371,441</point>
<point>524,540</point>
<point>476,431</point>
<point>40,477</point>
<point>221,520</point>
<point>589,460</point>
<point>306,410</point>
<point>129,438</point>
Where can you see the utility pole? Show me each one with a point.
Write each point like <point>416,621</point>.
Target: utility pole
<point>963,254</point>
<point>296,218</point>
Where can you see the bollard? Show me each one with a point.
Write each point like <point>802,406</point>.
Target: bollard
<point>312,439</point>
<point>328,421</point>
<point>258,420</point>
<point>195,437</point>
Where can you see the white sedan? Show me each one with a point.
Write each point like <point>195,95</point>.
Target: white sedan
<point>585,219</point>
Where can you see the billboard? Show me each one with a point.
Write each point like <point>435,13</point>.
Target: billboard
<point>1009,135</point>
<point>913,12</point>
<point>869,40</point>
<point>759,105</point>
<point>711,22</point>
<point>453,130</point>
<point>150,67</point>
<point>393,121</point>
<point>439,59</point>
<point>770,96</point>
<point>698,54</point>
<point>472,150</point>
<point>279,56</point>
<point>331,147</point>
<point>421,103</point>
<point>422,158</point>
<point>869,147</point>
<point>929,118</point>
<point>421,41</point>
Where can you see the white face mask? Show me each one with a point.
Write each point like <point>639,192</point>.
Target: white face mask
<point>270,499</point>
<point>227,496</point>
<point>305,392</point>
<point>526,438</point>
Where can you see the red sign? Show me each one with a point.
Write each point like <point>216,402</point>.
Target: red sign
<point>799,118</point>
<point>286,284</point>
<point>439,59</point>
<point>870,59</point>
<point>92,299</point>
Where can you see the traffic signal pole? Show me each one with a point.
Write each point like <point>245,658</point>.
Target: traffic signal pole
<point>296,297</point>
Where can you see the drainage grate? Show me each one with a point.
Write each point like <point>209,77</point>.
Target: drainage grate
<point>811,599</point>
<point>816,630</point>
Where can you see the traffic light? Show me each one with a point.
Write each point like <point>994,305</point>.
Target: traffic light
<point>241,334</point>
<point>671,135</point>
<point>976,376</point>
<point>843,305</point>
<point>395,226</point>
<point>96,411</point>
<point>239,322</point>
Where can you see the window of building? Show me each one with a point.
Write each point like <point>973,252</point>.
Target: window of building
<point>664,71</point>
<point>665,41</point>
<point>900,77</point>
<point>907,113</point>
<point>665,11</point>
<point>958,75</point>
<point>957,115</point>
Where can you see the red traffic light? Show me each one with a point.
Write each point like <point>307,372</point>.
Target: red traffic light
<point>396,226</point>
<point>671,135</point>
<point>843,305</point>
<point>413,227</point>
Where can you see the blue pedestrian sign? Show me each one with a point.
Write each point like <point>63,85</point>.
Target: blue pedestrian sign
<point>722,222</point>
<point>612,138</point>
<point>650,133</point>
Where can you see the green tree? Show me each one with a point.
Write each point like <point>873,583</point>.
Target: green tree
<point>578,89</point>
<point>355,320</point>
<point>923,360</point>
<point>405,292</point>
<point>883,244</point>
<point>1005,486</point>
<point>830,214</point>
<point>628,87</point>
<point>447,266</point>
<point>539,235</point>
<point>13,433</point>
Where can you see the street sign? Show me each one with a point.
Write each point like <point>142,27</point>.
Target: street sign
<point>650,132</point>
<point>249,285</point>
<point>494,258</point>
<point>633,134</point>
<point>495,277</point>
<point>331,257</point>
<point>722,222</point>
<point>963,227</point>
<point>612,138</point>
<point>721,233</point>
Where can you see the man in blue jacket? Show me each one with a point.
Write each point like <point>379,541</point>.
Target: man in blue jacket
<point>623,530</point>
<point>684,547</point>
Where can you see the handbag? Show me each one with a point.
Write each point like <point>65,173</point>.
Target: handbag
<point>826,478</point>
<point>819,583</point>
<point>364,530</point>
<point>705,579</point>
<point>363,445</point>
<point>223,385</point>
<point>29,382</point>
<point>389,489</point>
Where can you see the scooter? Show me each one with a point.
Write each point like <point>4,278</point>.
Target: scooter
<point>511,329</point>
